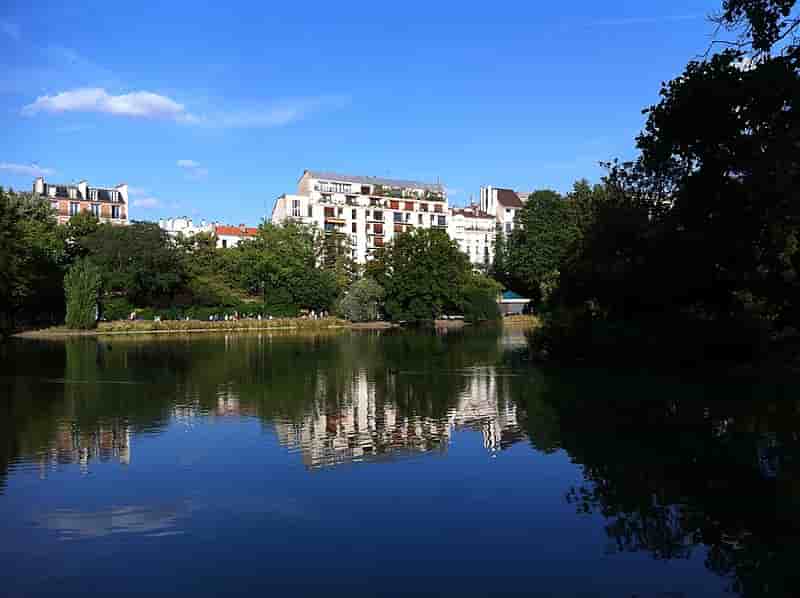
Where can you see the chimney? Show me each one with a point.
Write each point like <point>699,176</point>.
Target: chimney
<point>83,189</point>
<point>38,186</point>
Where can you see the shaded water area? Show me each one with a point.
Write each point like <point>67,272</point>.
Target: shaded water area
<point>386,463</point>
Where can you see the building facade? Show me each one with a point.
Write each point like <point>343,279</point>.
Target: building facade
<point>184,227</point>
<point>108,204</point>
<point>231,236</point>
<point>503,205</point>
<point>474,231</point>
<point>367,211</point>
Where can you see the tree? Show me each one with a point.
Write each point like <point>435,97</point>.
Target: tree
<point>78,227</point>
<point>423,273</point>
<point>31,255</point>
<point>139,261</point>
<point>546,229</point>
<point>82,288</point>
<point>362,301</point>
<point>281,264</point>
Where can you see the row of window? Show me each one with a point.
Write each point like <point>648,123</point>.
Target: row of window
<point>75,207</point>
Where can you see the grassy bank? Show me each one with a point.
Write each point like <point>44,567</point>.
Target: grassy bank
<point>188,326</point>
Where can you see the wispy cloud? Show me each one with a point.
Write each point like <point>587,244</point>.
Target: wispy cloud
<point>26,169</point>
<point>275,114</point>
<point>147,104</point>
<point>643,20</point>
<point>12,30</point>
<point>147,203</point>
<point>143,104</point>
<point>193,169</point>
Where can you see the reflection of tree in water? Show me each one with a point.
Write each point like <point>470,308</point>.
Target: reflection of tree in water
<point>673,467</point>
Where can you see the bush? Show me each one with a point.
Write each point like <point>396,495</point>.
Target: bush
<point>362,302</point>
<point>116,308</point>
<point>82,286</point>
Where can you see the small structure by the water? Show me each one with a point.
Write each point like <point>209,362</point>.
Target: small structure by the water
<point>512,304</point>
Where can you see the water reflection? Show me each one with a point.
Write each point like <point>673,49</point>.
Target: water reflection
<point>151,522</point>
<point>678,470</point>
<point>363,424</point>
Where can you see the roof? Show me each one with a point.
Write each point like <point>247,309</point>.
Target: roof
<point>471,212</point>
<point>511,295</point>
<point>235,231</point>
<point>373,180</point>
<point>508,198</point>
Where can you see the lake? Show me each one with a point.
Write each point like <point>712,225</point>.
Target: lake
<point>386,463</point>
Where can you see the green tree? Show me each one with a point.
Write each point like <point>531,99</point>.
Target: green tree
<point>546,231</point>
<point>423,273</point>
<point>362,302</point>
<point>82,284</point>
<point>139,261</point>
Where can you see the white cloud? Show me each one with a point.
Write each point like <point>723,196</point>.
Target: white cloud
<point>12,30</point>
<point>193,169</point>
<point>136,191</point>
<point>33,170</point>
<point>147,203</point>
<point>142,104</point>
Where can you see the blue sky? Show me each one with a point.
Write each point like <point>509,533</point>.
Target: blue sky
<point>214,109</point>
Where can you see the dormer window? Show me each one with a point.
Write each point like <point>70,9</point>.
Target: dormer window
<point>93,194</point>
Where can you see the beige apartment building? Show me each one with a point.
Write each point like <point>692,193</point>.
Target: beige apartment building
<point>503,205</point>
<point>108,204</point>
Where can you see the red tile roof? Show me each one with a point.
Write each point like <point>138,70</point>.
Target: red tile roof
<point>235,231</point>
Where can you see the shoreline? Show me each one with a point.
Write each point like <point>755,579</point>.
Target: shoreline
<point>124,327</point>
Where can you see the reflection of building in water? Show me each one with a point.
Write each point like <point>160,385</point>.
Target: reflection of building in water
<point>364,427</point>
<point>107,441</point>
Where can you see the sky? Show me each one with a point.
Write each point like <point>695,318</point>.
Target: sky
<point>212,110</point>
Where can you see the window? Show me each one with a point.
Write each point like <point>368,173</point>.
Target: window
<point>296,208</point>
<point>72,193</point>
<point>224,243</point>
<point>395,205</point>
<point>409,206</point>
<point>73,208</point>
<point>378,216</point>
<point>364,189</point>
<point>433,218</point>
<point>442,221</point>
<point>93,194</point>
<point>340,212</point>
<point>423,207</point>
<point>329,212</point>
<point>420,218</point>
<point>96,210</point>
<point>408,217</point>
<point>353,227</point>
<point>115,211</point>
<point>508,227</point>
<point>310,211</point>
<point>398,216</point>
<point>354,215</point>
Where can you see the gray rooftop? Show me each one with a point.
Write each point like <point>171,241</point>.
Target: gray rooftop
<point>374,180</point>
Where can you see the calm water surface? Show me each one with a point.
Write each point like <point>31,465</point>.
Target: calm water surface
<point>370,464</point>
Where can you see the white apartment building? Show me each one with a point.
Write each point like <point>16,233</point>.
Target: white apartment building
<point>474,231</point>
<point>230,236</point>
<point>503,205</point>
<point>108,204</point>
<point>369,211</point>
<point>183,226</point>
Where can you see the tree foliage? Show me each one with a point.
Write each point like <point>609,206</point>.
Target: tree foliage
<point>82,284</point>
<point>423,273</point>
<point>362,302</point>
<point>139,261</point>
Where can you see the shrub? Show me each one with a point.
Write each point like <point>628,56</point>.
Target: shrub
<point>362,302</point>
<point>82,286</point>
<point>116,308</point>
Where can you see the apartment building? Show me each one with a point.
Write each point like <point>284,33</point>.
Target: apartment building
<point>185,227</point>
<point>367,211</point>
<point>503,205</point>
<point>108,204</point>
<point>474,231</point>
